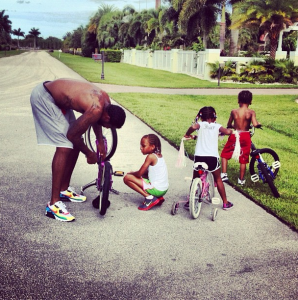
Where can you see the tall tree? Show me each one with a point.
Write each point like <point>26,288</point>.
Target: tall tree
<point>270,16</point>
<point>197,17</point>
<point>35,33</point>
<point>5,27</point>
<point>18,33</point>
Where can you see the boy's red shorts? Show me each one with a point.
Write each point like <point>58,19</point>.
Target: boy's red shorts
<point>245,142</point>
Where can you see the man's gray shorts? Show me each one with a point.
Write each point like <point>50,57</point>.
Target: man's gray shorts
<point>51,123</point>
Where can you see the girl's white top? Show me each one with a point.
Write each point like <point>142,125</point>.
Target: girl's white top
<point>158,174</point>
<point>207,142</point>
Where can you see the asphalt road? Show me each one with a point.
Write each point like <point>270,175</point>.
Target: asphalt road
<point>128,254</point>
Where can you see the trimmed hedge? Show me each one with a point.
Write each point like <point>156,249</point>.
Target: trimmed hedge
<point>112,55</point>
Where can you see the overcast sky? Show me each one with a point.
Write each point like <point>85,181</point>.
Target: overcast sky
<point>57,17</point>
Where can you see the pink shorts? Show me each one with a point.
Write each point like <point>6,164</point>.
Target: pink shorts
<point>245,142</point>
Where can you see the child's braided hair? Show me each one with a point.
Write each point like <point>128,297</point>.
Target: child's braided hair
<point>154,140</point>
<point>206,112</point>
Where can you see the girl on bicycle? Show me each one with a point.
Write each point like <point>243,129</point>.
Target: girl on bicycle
<point>207,146</point>
<point>151,180</point>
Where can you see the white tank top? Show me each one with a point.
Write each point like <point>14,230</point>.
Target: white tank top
<point>207,142</point>
<point>158,174</point>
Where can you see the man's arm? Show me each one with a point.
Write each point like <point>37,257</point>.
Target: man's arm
<point>79,127</point>
<point>99,136</point>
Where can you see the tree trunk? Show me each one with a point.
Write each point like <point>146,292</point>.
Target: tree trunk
<point>273,48</point>
<point>234,42</point>
<point>222,33</point>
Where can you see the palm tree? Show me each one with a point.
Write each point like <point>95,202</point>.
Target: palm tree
<point>35,33</point>
<point>18,33</point>
<point>5,27</point>
<point>270,16</point>
<point>197,17</point>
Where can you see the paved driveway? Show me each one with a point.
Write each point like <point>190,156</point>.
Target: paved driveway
<point>128,254</point>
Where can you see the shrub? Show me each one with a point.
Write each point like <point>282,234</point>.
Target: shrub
<point>112,55</point>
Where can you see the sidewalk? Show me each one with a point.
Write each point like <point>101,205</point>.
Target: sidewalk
<point>128,254</point>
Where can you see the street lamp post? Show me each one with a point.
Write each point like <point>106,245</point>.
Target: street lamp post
<point>102,64</point>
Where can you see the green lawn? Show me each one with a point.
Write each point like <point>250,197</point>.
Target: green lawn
<point>10,53</point>
<point>173,114</point>
<point>126,74</point>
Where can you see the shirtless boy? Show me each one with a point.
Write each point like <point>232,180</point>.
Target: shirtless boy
<point>240,119</point>
<point>53,105</point>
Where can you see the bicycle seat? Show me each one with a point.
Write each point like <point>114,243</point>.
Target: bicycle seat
<point>199,165</point>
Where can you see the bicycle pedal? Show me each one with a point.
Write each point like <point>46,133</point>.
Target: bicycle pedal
<point>255,178</point>
<point>215,201</point>
<point>276,165</point>
<point>118,173</point>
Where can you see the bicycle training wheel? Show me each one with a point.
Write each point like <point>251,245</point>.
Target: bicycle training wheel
<point>174,208</point>
<point>210,180</point>
<point>269,180</point>
<point>195,201</point>
<point>106,186</point>
<point>111,136</point>
<point>269,156</point>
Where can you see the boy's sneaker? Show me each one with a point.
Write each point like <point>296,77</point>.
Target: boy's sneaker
<point>71,195</point>
<point>148,203</point>
<point>227,206</point>
<point>59,212</point>
<point>241,182</point>
<point>224,177</point>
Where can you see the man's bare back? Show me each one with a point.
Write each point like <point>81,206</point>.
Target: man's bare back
<point>77,95</point>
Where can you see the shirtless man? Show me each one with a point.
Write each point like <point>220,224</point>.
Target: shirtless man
<point>53,105</point>
<point>240,119</point>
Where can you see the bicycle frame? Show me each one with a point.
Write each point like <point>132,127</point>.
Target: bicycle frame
<point>201,168</point>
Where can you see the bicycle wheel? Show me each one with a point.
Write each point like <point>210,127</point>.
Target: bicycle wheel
<point>106,186</point>
<point>111,136</point>
<point>210,180</point>
<point>269,180</point>
<point>269,156</point>
<point>195,201</point>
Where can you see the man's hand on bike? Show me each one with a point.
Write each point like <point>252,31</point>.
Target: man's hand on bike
<point>91,158</point>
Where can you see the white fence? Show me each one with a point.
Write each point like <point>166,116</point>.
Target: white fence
<point>179,61</point>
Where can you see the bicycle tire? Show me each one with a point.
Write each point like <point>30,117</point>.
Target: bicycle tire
<point>111,136</point>
<point>210,180</point>
<point>195,202</point>
<point>269,180</point>
<point>99,184</point>
<point>269,157</point>
<point>106,186</point>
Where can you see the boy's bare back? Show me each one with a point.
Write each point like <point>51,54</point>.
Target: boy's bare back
<point>242,117</point>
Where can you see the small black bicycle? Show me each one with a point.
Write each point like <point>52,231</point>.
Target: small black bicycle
<point>104,180</point>
<point>264,165</point>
